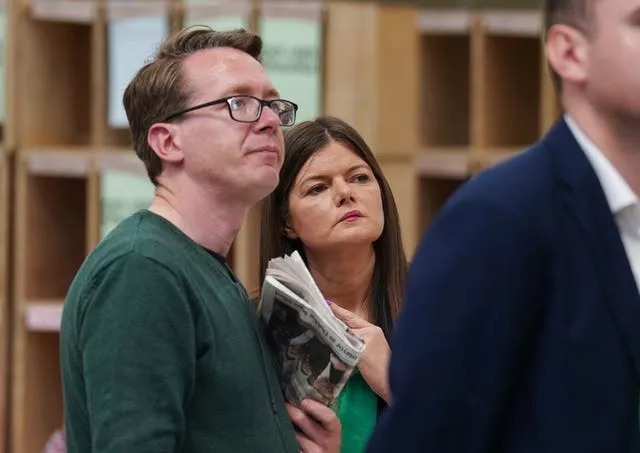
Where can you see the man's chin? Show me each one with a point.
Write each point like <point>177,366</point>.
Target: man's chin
<point>263,184</point>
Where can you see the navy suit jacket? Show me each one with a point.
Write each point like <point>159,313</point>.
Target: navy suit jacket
<point>521,326</point>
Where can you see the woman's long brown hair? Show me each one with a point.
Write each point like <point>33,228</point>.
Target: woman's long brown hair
<point>301,142</point>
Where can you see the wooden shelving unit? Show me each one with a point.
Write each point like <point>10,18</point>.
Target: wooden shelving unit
<point>438,94</point>
<point>54,134</point>
<point>67,152</point>
<point>485,95</point>
<point>51,240</point>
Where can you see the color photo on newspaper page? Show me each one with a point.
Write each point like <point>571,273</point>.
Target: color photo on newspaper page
<point>315,351</point>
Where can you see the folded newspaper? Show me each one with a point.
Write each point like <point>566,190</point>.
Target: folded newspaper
<point>315,351</point>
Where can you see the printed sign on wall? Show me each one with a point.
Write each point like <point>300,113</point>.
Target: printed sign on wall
<point>292,54</point>
<point>221,15</point>
<point>132,41</point>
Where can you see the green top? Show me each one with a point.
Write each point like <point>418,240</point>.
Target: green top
<point>161,351</point>
<point>357,409</point>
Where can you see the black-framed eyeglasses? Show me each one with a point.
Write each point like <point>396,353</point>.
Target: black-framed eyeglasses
<point>247,109</point>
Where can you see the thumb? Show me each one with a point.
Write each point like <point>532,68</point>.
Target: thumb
<point>352,320</point>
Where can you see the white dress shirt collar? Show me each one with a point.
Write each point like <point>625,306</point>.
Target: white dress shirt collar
<point>618,192</point>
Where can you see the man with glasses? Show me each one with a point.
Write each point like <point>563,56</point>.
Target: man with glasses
<point>160,347</point>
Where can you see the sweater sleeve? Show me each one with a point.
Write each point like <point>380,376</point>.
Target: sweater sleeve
<point>137,341</point>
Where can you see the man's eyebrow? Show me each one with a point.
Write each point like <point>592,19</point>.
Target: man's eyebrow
<point>246,89</point>
<point>273,93</point>
<point>237,89</point>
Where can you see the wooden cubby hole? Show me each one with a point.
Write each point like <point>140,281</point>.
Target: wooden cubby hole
<point>434,192</point>
<point>53,83</point>
<point>508,63</point>
<point>447,100</point>
<point>445,80</point>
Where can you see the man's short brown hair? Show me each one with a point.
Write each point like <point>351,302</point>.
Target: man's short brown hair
<point>159,88</point>
<point>574,13</point>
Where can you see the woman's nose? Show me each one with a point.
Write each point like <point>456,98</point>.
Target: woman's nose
<point>343,192</point>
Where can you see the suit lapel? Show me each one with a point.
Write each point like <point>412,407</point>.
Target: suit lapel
<point>584,200</point>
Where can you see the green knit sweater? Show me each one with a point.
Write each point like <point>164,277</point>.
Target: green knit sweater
<point>161,352</point>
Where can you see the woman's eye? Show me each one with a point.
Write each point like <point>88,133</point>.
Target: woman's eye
<point>315,189</point>
<point>362,178</point>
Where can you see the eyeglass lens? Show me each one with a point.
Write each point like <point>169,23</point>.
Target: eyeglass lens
<point>245,108</point>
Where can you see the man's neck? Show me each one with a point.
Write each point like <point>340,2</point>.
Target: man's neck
<point>618,140</point>
<point>205,216</point>
<point>344,276</point>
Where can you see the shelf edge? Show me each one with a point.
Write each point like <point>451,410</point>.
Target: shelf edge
<point>83,12</point>
<point>444,22</point>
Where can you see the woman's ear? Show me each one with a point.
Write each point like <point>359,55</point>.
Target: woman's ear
<point>289,231</point>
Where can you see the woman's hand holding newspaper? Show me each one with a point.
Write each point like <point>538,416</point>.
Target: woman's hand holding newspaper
<point>375,361</point>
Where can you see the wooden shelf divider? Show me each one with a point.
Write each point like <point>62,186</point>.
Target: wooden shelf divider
<point>372,81</point>
<point>5,313</point>
<point>6,150</point>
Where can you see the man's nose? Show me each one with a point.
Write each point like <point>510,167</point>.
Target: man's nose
<point>269,118</point>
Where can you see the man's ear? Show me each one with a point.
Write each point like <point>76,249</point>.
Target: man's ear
<point>164,139</point>
<point>567,51</point>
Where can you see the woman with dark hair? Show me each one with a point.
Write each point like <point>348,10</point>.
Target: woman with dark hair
<point>334,206</point>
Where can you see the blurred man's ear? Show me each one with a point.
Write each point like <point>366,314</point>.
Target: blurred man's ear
<point>567,51</point>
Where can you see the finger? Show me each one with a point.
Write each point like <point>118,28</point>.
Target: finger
<point>309,428</point>
<point>306,445</point>
<point>350,319</point>
<point>326,417</point>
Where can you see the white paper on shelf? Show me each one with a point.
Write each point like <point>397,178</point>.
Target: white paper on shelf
<point>43,317</point>
<point>132,42</point>
<point>122,194</point>
<point>221,15</point>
